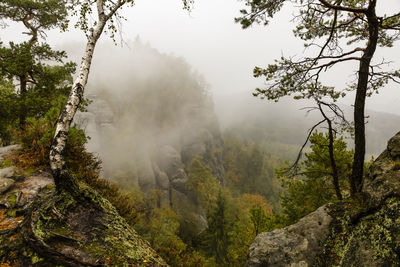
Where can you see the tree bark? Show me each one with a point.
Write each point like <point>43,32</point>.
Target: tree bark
<point>62,178</point>
<point>24,77</point>
<point>22,108</point>
<point>335,174</point>
<point>357,176</point>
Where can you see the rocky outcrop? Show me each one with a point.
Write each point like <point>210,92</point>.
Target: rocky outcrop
<point>154,150</point>
<point>6,172</point>
<point>295,245</point>
<point>149,124</point>
<point>357,232</point>
<point>157,160</point>
<point>42,227</point>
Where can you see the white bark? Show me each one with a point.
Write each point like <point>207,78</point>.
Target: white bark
<point>57,159</point>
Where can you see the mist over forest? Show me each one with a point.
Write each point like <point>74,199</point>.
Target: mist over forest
<point>253,133</point>
<point>142,99</point>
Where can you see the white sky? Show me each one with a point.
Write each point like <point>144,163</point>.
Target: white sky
<point>218,48</point>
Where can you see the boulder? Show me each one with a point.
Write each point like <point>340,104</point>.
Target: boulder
<point>295,245</point>
<point>7,149</point>
<point>5,184</point>
<point>7,172</point>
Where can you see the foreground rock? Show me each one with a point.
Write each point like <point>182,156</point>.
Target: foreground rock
<point>297,244</point>
<point>6,172</point>
<point>40,227</point>
<point>358,232</point>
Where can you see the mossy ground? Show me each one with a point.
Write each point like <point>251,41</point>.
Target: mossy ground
<point>61,230</point>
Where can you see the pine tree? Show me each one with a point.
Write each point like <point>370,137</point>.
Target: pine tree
<point>36,82</point>
<point>217,232</point>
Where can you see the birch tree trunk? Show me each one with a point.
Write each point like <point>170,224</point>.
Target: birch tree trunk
<point>62,177</point>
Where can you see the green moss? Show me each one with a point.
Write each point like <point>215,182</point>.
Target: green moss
<point>396,166</point>
<point>28,172</point>
<point>106,236</point>
<point>35,259</point>
<point>12,199</point>
<point>6,163</point>
<point>370,240</point>
<point>12,212</point>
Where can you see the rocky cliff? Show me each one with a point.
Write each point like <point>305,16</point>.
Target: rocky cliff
<point>357,232</point>
<point>39,227</point>
<point>148,127</point>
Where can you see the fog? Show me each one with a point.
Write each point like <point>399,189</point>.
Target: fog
<point>216,48</point>
<point>152,111</point>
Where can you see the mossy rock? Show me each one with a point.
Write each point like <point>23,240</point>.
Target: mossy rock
<point>60,230</point>
<point>369,239</point>
<point>362,231</point>
<point>366,230</point>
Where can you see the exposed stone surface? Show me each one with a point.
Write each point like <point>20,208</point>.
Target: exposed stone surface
<point>394,146</point>
<point>295,245</point>
<point>7,172</point>
<point>156,158</point>
<point>42,227</point>
<point>359,232</point>
<point>7,149</point>
<point>5,184</point>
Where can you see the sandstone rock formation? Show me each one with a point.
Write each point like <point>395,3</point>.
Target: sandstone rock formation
<point>356,232</point>
<point>42,227</point>
<point>295,245</point>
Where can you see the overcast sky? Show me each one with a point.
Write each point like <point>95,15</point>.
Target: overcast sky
<point>218,48</point>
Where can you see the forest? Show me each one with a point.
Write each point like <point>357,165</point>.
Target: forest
<point>139,161</point>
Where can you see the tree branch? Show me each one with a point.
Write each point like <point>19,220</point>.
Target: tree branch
<point>343,8</point>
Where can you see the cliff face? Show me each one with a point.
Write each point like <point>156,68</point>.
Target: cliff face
<point>39,227</point>
<point>149,126</point>
<point>358,232</point>
<point>153,157</point>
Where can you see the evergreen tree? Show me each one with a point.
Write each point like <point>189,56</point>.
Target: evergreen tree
<point>8,103</point>
<point>313,187</point>
<point>259,219</point>
<point>216,236</point>
<point>37,84</point>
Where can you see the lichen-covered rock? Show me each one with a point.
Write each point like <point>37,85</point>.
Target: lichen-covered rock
<point>5,184</point>
<point>7,172</point>
<point>7,149</point>
<point>394,146</point>
<point>363,231</point>
<point>42,227</point>
<point>295,245</point>
<point>366,231</point>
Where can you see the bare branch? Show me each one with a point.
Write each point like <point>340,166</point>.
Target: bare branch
<point>343,8</point>
<point>296,162</point>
